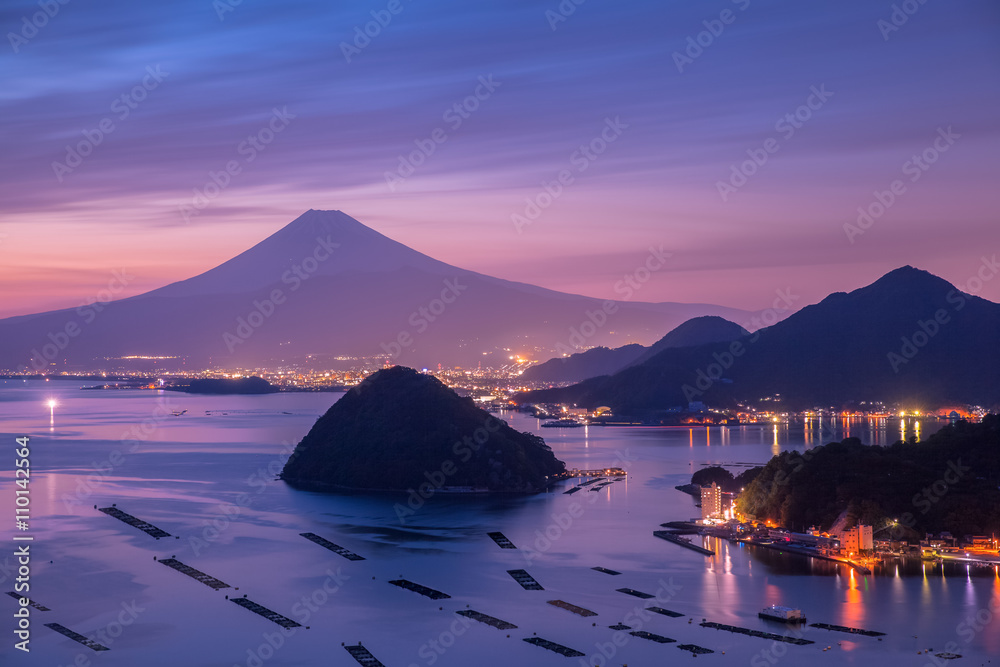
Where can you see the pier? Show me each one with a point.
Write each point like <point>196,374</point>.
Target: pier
<point>261,610</point>
<point>77,637</point>
<point>335,548</point>
<point>197,575</point>
<point>147,528</point>
<point>680,541</point>
<point>422,590</point>
<point>801,551</point>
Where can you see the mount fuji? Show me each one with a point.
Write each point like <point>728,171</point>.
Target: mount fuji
<point>326,285</point>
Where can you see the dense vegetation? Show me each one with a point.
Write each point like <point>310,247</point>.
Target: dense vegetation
<point>948,482</point>
<point>725,479</point>
<point>400,429</point>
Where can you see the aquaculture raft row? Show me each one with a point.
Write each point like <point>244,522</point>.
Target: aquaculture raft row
<point>659,639</point>
<point>844,628</point>
<point>634,593</point>
<point>363,656</point>
<point>76,636</point>
<point>209,581</point>
<point>527,581</point>
<point>552,646</point>
<point>694,648</point>
<point>335,548</point>
<point>417,588</point>
<point>147,528</point>
<point>665,612</point>
<point>501,540</point>
<point>757,633</point>
<point>261,610</point>
<point>579,611</point>
<point>31,603</point>
<point>487,619</point>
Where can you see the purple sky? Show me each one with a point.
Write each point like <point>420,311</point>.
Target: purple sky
<point>655,184</point>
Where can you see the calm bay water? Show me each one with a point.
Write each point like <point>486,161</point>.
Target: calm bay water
<point>207,477</point>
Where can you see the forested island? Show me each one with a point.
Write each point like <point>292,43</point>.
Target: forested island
<point>401,430</point>
<point>948,482</point>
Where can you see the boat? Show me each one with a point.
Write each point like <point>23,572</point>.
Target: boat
<point>565,422</point>
<point>782,614</point>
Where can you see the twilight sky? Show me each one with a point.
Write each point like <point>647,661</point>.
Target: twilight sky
<point>886,94</point>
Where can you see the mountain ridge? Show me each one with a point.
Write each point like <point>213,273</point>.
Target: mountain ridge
<point>909,337</point>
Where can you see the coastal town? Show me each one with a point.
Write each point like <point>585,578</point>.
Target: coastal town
<point>860,546</point>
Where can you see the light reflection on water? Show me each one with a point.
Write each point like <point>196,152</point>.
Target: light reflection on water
<point>186,468</point>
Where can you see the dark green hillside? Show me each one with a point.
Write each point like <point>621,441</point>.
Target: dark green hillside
<point>947,482</point>
<point>399,429</point>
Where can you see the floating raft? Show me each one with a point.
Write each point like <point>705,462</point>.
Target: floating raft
<point>592,481</point>
<point>600,486</point>
<point>76,636</point>
<point>620,626</point>
<point>634,593</point>
<point>579,611</point>
<point>676,539</point>
<point>417,588</point>
<point>363,656</point>
<point>335,548</point>
<point>261,610</point>
<point>605,570</point>
<point>501,540</point>
<point>659,639</point>
<point>843,628</point>
<point>31,603</point>
<point>488,620</point>
<point>697,650</point>
<point>757,633</point>
<point>574,489</point>
<point>148,528</point>
<point>552,646</point>
<point>527,581</point>
<point>209,581</point>
<point>665,612</point>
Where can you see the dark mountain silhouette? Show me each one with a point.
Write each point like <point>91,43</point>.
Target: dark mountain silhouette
<point>909,338</point>
<point>582,365</point>
<point>604,361</point>
<point>400,429</point>
<point>325,284</point>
